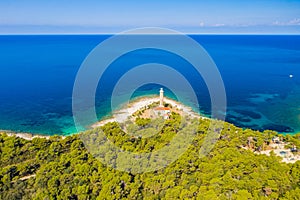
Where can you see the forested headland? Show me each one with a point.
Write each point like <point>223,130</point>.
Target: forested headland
<point>62,168</point>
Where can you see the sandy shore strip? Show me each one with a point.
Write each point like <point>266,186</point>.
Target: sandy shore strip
<point>28,136</point>
<point>128,110</point>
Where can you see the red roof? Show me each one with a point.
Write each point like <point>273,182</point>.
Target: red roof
<point>162,108</point>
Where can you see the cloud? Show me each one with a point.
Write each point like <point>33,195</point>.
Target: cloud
<point>202,24</point>
<point>293,22</point>
<point>218,25</point>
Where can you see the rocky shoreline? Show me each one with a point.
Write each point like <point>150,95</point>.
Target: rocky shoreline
<point>128,110</point>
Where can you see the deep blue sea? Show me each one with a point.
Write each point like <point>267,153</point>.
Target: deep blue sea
<point>37,74</point>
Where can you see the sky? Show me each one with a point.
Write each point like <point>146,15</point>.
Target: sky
<point>189,16</point>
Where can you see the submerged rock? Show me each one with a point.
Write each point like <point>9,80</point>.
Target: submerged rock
<point>249,113</point>
<point>278,128</point>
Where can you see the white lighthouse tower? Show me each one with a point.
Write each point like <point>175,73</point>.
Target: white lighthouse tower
<point>161,97</point>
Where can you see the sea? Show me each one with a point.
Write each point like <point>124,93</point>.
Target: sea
<point>261,75</point>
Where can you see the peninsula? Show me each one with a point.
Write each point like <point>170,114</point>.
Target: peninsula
<point>243,163</point>
<point>149,107</point>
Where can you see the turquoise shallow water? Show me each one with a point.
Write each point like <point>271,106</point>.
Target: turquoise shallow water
<point>37,75</point>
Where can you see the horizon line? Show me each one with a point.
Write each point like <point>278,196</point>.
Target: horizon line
<point>120,33</point>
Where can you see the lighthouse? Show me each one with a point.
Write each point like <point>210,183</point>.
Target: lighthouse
<point>161,97</point>
<point>161,110</point>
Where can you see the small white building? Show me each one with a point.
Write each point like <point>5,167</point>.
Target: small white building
<point>276,140</point>
<point>162,111</point>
